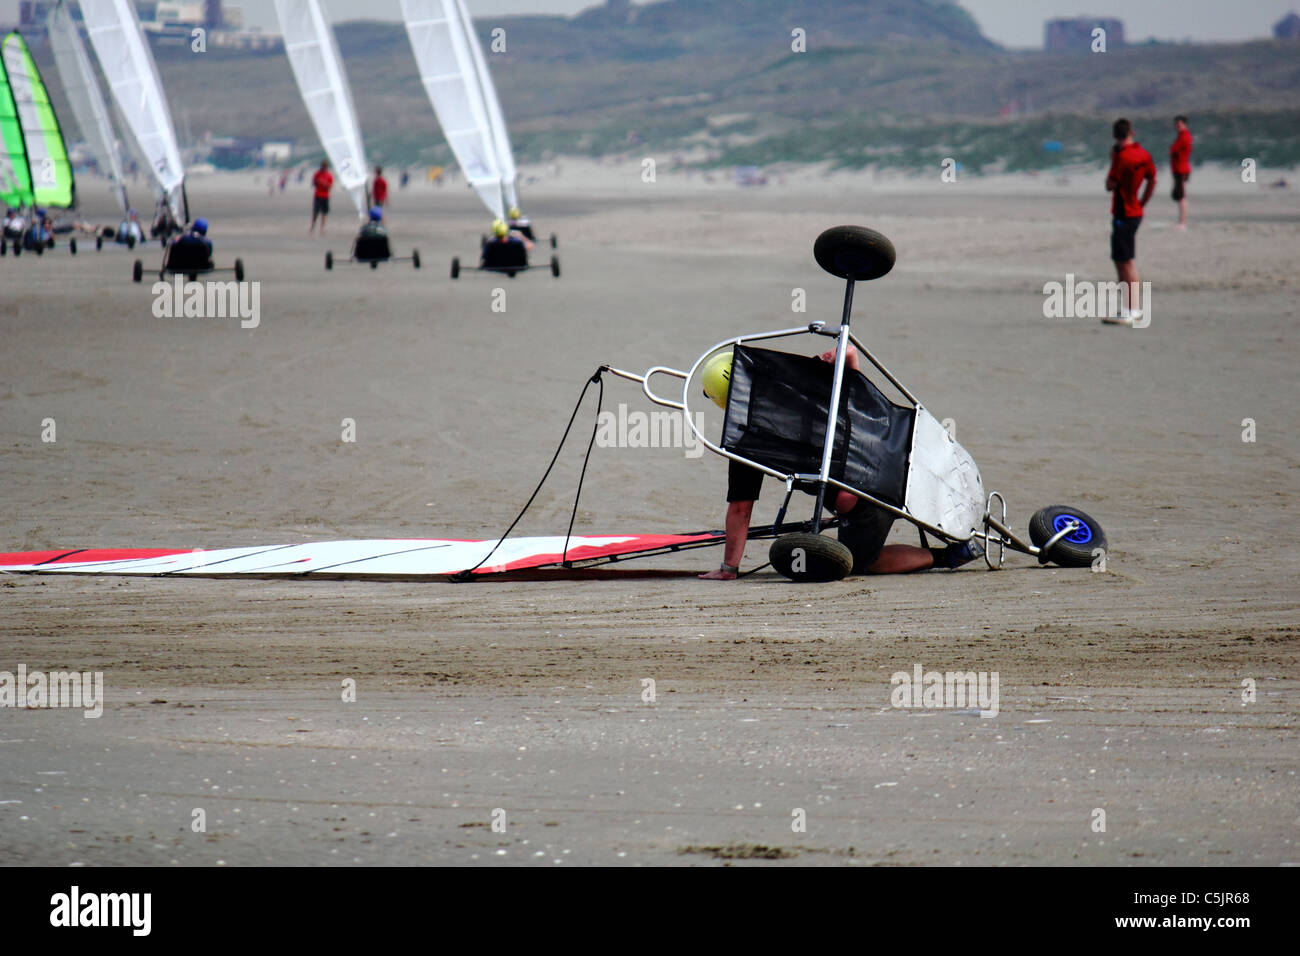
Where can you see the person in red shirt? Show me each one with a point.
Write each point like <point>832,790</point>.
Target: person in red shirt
<point>379,189</point>
<point>1130,167</point>
<point>322,182</point>
<point>1180,155</point>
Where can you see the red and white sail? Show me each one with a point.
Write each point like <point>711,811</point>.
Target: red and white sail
<point>413,558</point>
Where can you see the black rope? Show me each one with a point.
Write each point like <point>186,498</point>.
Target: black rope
<point>595,427</point>
<point>468,573</point>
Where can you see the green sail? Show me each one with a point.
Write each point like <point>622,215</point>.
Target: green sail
<point>15,177</point>
<point>47,156</point>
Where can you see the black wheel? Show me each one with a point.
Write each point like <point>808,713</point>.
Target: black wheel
<point>375,265</point>
<point>72,250</point>
<point>4,246</point>
<point>415,261</point>
<point>49,243</point>
<point>40,249</point>
<point>329,264</point>
<point>99,245</point>
<point>555,244</point>
<point>239,270</point>
<point>555,270</point>
<point>810,557</point>
<point>455,274</point>
<point>854,252</point>
<point>511,273</point>
<point>1076,549</point>
<point>130,242</point>
<point>137,273</point>
<point>194,277</point>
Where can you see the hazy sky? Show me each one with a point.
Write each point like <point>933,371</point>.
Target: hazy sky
<point>1013,23</point>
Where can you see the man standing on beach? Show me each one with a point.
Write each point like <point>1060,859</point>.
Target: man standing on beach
<point>322,182</point>
<point>1130,166</point>
<point>379,189</point>
<point>1180,155</point>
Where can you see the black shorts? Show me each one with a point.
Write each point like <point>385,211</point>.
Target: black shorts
<point>1123,239</point>
<point>1180,181</point>
<point>320,205</point>
<point>865,534</point>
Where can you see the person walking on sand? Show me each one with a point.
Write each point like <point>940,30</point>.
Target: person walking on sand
<point>322,182</point>
<point>1180,156</point>
<point>1130,167</point>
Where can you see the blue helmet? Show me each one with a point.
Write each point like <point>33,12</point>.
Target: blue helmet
<point>40,213</point>
<point>201,226</point>
<point>376,214</point>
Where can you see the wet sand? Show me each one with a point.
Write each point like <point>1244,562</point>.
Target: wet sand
<point>1120,691</point>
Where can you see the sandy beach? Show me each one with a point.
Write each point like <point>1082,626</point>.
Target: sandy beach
<point>1121,691</point>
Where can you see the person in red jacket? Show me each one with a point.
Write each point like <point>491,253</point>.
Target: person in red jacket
<point>1130,167</point>
<point>1180,155</point>
<point>379,189</point>
<point>322,182</point>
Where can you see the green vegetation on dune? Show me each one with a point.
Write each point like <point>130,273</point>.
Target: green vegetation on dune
<point>1272,138</point>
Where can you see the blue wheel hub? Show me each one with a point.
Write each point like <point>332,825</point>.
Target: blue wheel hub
<point>1081,535</point>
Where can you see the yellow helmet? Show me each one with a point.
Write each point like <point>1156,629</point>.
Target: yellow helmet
<point>514,212</point>
<point>500,229</point>
<point>716,378</point>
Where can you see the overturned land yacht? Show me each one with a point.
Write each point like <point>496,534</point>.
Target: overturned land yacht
<point>821,428</point>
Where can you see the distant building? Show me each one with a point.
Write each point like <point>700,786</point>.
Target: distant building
<point>1075,33</point>
<point>33,14</point>
<point>1288,28</point>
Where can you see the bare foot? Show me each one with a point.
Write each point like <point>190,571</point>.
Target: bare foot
<point>718,575</point>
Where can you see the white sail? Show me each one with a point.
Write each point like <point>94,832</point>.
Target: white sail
<point>87,99</point>
<point>314,55</point>
<point>496,120</point>
<point>444,53</point>
<point>132,76</point>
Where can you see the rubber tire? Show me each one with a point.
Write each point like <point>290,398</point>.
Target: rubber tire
<point>72,247</point>
<point>374,264</point>
<point>40,250</point>
<point>555,244</point>
<point>130,242</point>
<point>18,249</point>
<point>99,245</point>
<point>329,265</point>
<point>455,271</point>
<point>239,270</point>
<point>825,559</point>
<point>555,267</point>
<point>854,252</point>
<point>415,259</point>
<point>137,273</point>
<point>1066,553</point>
<point>4,246</point>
